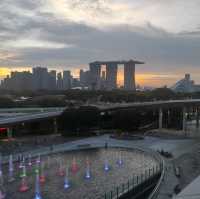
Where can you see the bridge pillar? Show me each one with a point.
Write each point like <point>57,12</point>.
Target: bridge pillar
<point>55,126</point>
<point>197,117</point>
<point>184,127</point>
<point>160,118</point>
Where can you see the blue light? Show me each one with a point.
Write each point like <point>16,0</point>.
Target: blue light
<point>106,167</point>
<point>120,162</point>
<point>37,196</point>
<point>87,175</point>
<point>66,184</point>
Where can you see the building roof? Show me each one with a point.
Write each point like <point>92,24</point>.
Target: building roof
<point>117,62</point>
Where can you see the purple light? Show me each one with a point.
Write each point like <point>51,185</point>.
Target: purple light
<point>120,162</point>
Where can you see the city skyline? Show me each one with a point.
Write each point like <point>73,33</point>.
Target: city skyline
<point>142,79</point>
<point>61,33</point>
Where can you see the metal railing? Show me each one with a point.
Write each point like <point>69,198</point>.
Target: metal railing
<point>137,184</point>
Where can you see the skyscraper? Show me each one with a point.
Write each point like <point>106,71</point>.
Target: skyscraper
<point>40,78</point>
<point>52,80</point>
<point>111,75</point>
<point>59,81</point>
<point>67,79</point>
<point>129,75</point>
<point>95,71</point>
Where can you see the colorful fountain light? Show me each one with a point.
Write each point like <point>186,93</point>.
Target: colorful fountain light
<point>106,165</point>
<point>37,187</point>
<point>2,195</point>
<point>66,180</point>
<point>38,160</point>
<point>19,160</point>
<point>11,169</point>
<point>24,184</point>
<point>87,173</point>
<point>29,160</point>
<point>42,178</point>
<point>37,164</point>
<point>61,171</point>
<point>2,190</point>
<point>48,162</point>
<point>74,165</point>
<point>120,161</point>
<point>23,172</point>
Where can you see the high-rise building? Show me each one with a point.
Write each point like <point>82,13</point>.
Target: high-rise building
<point>129,75</point>
<point>59,81</point>
<point>95,72</point>
<point>111,76</point>
<point>84,78</point>
<point>52,80</point>
<point>67,79</point>
<point>40,78</point>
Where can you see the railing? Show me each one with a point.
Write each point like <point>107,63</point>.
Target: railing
<point>137,185</point>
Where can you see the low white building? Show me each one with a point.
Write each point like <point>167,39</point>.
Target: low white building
<point>185,85</point>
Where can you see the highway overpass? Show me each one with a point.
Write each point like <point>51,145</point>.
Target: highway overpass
<point>159,106</point>
<point>154,104</point>
<point>29,117</point>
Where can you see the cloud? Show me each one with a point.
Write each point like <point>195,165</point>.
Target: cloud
<point>75,32</point>
<point>33,43</point>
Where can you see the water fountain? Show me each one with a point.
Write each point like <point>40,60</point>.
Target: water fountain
<point>61,171</point>
<point>11,169</point>
<point>24,184</point>
<point>106,165</point>
<point>74,167</point>
<point>29,160</point>
<point>38,160</point>
<point>120,161</point>
<point>23,171</point>
<point>2,195</point>
<point>37,187</point>
<point>42,178</point>
<point>48,162</point>
<point>19,160</point>
<point>37,164</point>
<point>2,189</point>
<point>88,172</point>
<point>66,180</point>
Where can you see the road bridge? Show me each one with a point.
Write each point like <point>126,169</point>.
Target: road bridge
<point>185,106</point>
<point>161,107</point>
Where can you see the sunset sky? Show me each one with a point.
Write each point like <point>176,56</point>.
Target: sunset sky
<point>68,34</point>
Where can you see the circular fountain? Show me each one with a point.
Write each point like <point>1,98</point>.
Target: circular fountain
<point>89,173</point>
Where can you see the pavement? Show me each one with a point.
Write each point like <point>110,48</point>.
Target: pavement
<point>192,191</point>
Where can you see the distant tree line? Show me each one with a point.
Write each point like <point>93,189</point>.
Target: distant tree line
<point>45,98</point>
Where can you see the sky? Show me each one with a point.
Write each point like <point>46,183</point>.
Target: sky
<point>68,34</point>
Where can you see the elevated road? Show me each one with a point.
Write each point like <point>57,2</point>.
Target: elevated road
<point>154,104</point>
<point>101,107</point>
<point>29,117</point>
